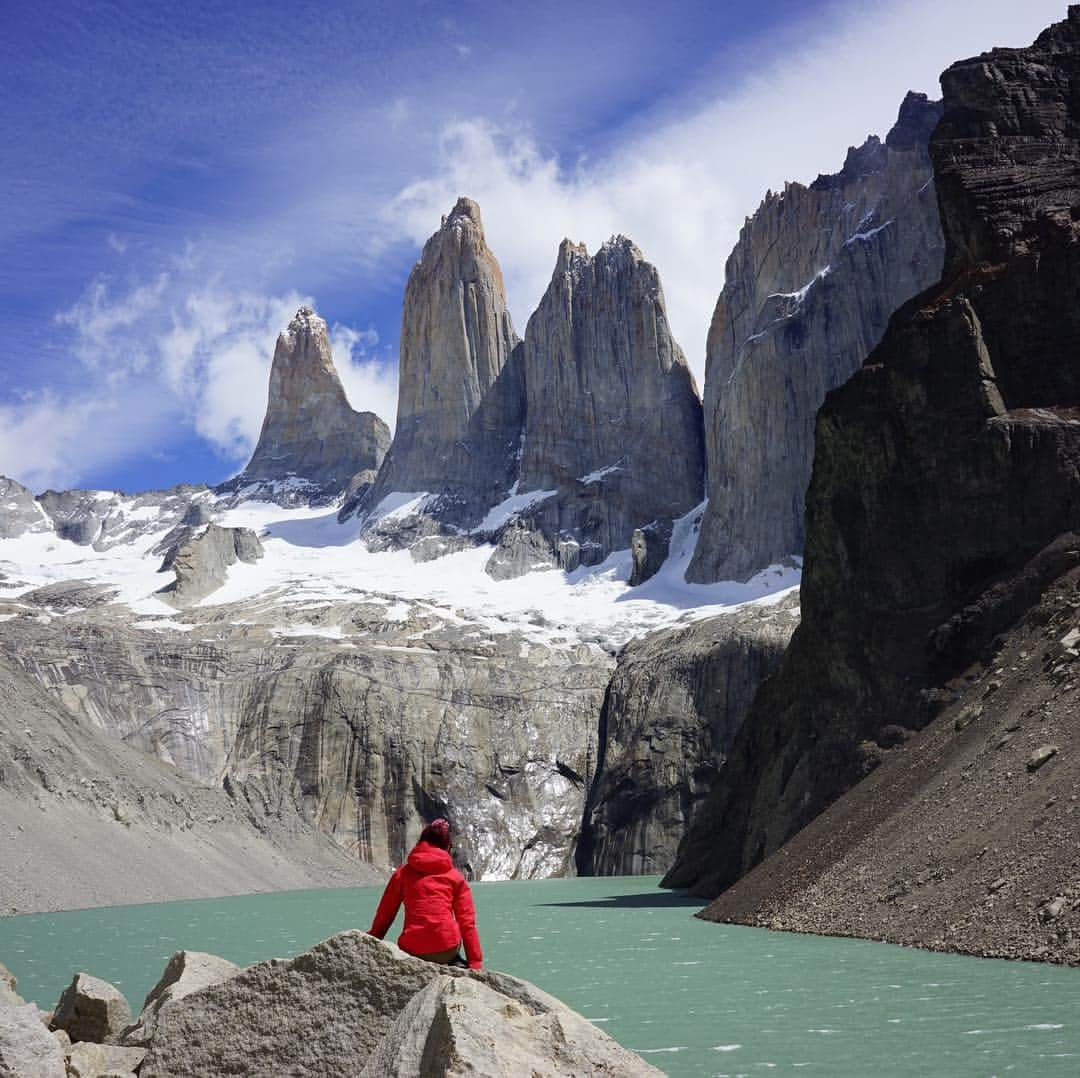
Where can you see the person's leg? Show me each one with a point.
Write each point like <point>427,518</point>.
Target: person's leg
<point>443,958</point>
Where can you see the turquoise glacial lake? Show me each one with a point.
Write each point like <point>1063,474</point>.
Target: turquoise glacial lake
<point>693,998</point>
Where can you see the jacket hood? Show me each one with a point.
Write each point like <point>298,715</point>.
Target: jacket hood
<point>429,860</point>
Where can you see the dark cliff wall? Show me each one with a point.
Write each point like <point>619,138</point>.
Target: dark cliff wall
<point>942,466</point>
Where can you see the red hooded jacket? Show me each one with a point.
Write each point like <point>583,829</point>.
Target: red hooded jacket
<point>439,911</point>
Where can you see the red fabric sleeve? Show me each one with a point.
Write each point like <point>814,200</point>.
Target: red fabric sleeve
<point>388,907</point>
<point>466,919</point>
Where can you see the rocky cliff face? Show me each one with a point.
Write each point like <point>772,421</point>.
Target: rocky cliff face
<point>613,418</point>
<point>89,820</point>
<point>313,445</point>
<point>356,719</point>
<point>672,708</point>
<point>459,397</point>
<point>941,467</point>
<point>809,289</point>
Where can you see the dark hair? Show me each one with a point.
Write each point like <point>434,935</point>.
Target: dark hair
<point>437,833</point>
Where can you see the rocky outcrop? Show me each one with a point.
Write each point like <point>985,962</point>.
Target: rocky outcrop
<point>354,1004</point>
<point>19,511</point>
<point>947,462</point>
<point>201,562</point>
<point>809,289</point>
<point>91,1009</point>
<point>27,1049</point>
<point>613,417</point>
<point>460,394</point>
<point>105,519</point>
<point>313,445</point>
<point>187,972</point>
<point>672,709</point>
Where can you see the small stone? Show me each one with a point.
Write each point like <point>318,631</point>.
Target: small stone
<point>1052,910</point>
<point>967,716</point>
<point>998,884</point>
<point>1040,756</point>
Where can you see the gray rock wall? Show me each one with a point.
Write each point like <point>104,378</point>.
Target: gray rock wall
<point>362,737</point>
<point>672,709</point>
<point>809,290</point>
<point>613,418</point>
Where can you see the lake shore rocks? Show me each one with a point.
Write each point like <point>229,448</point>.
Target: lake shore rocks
<point>91,1010</point>
<point>354,1004</point>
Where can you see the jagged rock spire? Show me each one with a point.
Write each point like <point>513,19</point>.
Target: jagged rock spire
<point>310,430</point>
<point>458,416</point>
<point>613,411</point>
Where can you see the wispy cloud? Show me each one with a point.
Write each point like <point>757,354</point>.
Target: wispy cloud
<point>681,188</point>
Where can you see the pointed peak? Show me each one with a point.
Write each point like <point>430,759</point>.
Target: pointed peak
<point>306,318</point>
<point>620,248</point>
<point>570,253</point>
<point>465,210</point>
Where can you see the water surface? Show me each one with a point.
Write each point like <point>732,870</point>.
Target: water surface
<point>693,998</point>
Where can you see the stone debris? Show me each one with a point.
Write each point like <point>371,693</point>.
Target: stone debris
<point>103,1060</point>
<point>1040,756</point>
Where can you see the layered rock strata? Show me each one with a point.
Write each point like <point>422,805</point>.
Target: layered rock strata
<point>359,718</point>
<point>613,417</point>
<point>313,445</point>
<point>809,289</point>
<point>459,395</point>
<point>941,467</point>
<point>86,819</point>
<point>671,711</point>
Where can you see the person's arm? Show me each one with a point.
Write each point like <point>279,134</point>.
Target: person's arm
<point>388,907</point>
<point>466,919</point>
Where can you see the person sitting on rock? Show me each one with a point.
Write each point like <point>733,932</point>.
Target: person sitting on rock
<point>439,911</point>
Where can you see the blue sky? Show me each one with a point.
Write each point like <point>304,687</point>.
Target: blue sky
<point>177,178</point>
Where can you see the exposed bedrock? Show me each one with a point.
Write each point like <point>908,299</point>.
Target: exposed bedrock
<point>313,443</point>
<point>201,561</point>
<point>671,711</point>
<point>460,393</point>
<point>946,463</point>
<point>363,737</point>
<point>809,289</point>
<point>613,418</point>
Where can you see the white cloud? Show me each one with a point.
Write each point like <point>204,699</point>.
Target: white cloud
<point>682,189</point>
<point>51,441</point>
<point>370,382</point>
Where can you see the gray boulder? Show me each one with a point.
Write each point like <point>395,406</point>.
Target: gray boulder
<point>327,1012</point>
<point>90,1009</point>
<point>187,972</point>
<point>462,1026</point>
<point>27,1049</point>
<point>201,562</point>
<point>103,1061</point>
<point>312,443</point>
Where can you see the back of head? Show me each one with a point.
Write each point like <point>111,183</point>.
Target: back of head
<point>437,833</point>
